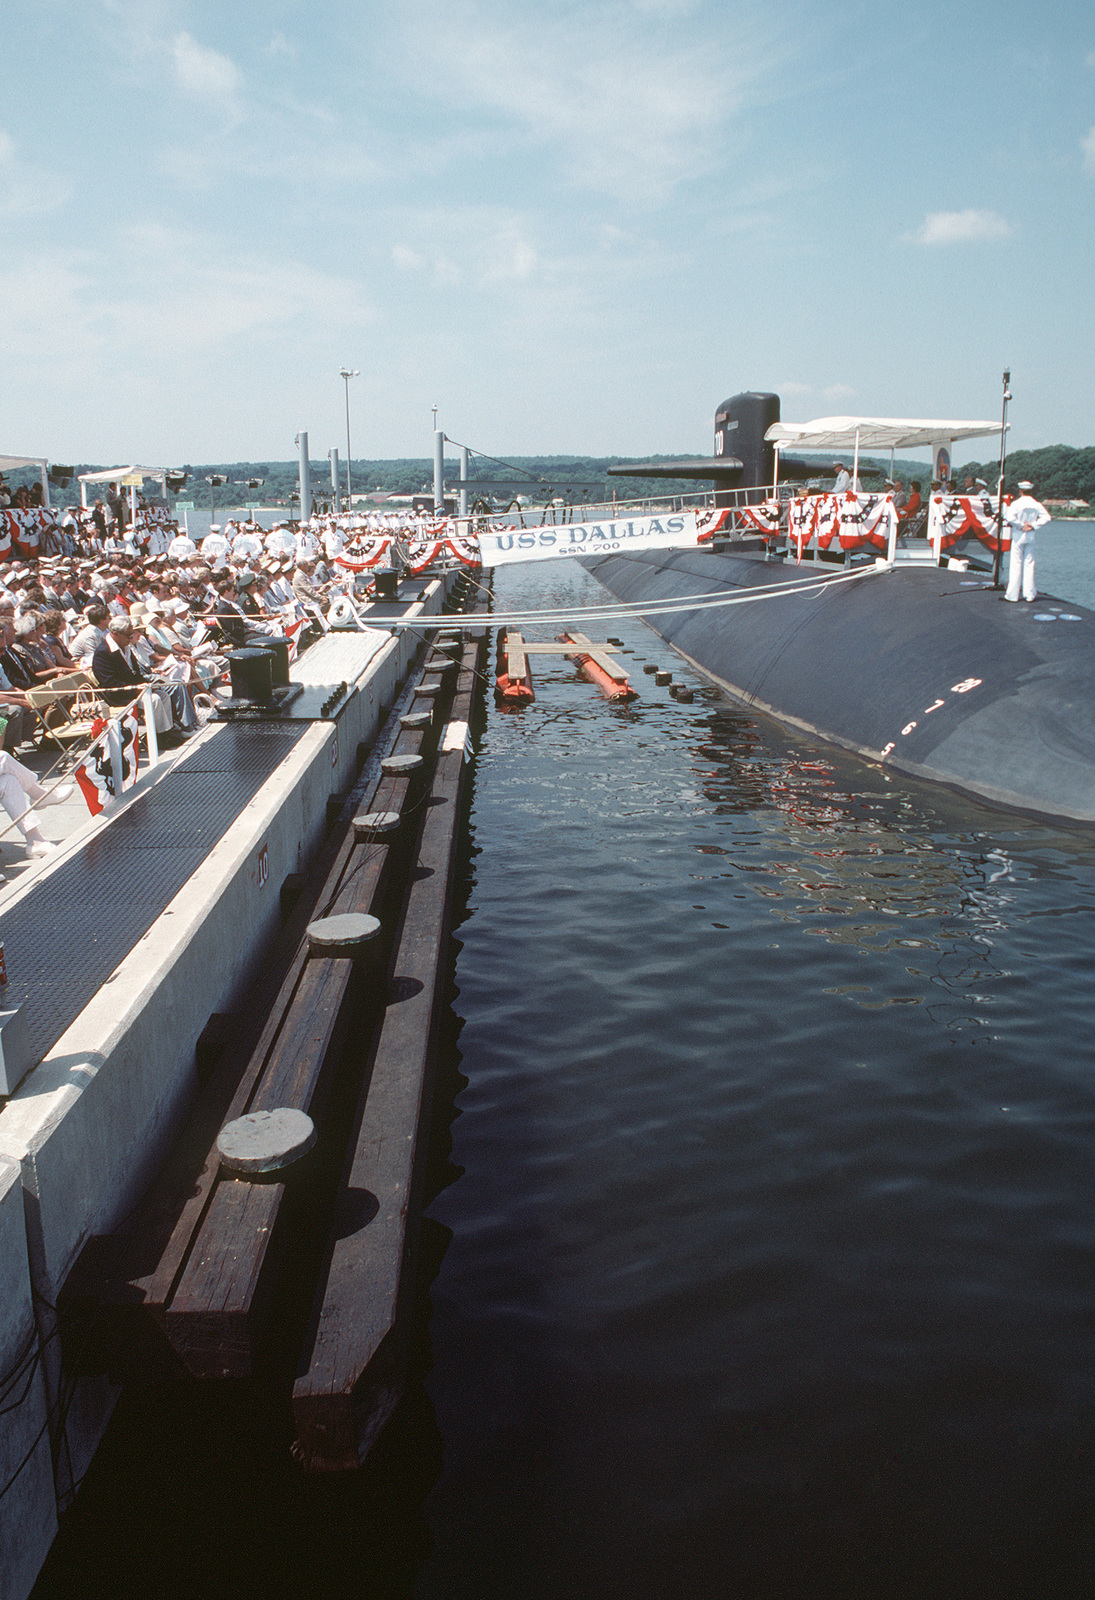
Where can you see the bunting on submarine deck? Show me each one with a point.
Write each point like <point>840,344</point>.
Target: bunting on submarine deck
<point>853,520</point>
<point>959,516</point>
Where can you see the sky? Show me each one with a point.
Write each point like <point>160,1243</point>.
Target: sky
<point>573,227</point>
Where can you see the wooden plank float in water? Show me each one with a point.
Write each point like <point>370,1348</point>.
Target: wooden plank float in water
<point>513,684</point>
<point>595,663</point>
<point>513,674</point>
<point>354,1369</point>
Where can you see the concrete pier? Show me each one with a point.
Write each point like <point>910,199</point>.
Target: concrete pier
<point>168,916</point>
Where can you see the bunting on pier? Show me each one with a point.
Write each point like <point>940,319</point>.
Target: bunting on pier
<point>465,550</point>
<point>423,552</point>
<point>361,554</point>
<point>292,631</point>
<point>95,773</point>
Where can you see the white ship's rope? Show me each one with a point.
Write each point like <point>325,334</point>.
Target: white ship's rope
<point>711,600</point>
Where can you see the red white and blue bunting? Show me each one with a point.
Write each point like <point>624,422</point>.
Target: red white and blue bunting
<point>952,517</point>
<point>95,773</point>
<point>854,521</point>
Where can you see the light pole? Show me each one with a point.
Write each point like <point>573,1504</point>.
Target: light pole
<point>214,482</point>
<point>346,373</point>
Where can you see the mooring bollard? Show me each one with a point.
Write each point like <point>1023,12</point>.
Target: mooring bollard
<point>266,1141</point>
<point>400,766</point>
<point>367,824</point>
<point>342,935</point>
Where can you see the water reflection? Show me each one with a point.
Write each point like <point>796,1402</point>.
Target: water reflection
<point>770,1270</point>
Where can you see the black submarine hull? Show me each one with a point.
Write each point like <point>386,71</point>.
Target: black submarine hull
<point>920,668</point>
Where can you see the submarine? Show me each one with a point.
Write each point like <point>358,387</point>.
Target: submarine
<point>825,612</point>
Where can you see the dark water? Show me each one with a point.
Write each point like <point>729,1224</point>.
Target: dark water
<point>772,1266</point>
<point>772,1255</point>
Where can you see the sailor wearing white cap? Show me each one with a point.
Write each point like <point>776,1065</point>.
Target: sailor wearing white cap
<point>280,542</point>
<point>246,545</point>
<point>307,547</point>
<point>1026,516</point>
<point>181,547</point>
<point>215,547</point>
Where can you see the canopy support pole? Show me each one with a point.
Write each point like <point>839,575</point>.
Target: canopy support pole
<point>1000,485</point>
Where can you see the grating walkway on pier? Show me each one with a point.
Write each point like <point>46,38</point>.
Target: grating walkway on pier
<point>68,933</point>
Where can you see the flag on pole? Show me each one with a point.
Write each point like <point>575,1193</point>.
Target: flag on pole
<point>95,773</point>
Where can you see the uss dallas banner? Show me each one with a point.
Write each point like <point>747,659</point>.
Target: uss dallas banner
<point>504,545</point>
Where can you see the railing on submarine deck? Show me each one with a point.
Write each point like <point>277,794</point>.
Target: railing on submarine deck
<point>823,525</point>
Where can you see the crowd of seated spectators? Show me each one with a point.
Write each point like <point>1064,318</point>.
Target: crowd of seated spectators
<point>99,614</point>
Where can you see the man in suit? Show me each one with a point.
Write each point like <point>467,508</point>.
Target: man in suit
<point>119,675</point>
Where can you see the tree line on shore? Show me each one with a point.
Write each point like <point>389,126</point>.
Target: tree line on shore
<point>1058,472</point>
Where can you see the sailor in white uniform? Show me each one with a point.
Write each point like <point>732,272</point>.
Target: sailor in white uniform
<point>181,547</point>
<point>246,545</point>
<point>280,542</point>
<point>307,544</point>
<point>215,547</point>
<point>1026,516</point>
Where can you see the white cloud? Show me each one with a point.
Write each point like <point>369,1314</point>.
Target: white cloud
<point>205,73</point>
<point>280,46</point>
<point>444,272</point>
<point>960,227</point>
<point>511,259</point>
<point>26,190</point>
<point>482,245</point>
<point>837,391</point>
<point>183,300</point>
<point>635,107</point>
<point>408,259</point>
<point>1087,145</point>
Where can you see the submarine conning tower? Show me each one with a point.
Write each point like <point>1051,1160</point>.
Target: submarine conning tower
<point>743,459</point>
<point>740,425</point>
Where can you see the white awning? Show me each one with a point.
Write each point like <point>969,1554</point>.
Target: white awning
<point>9,463</point>
<point>116,474</point>
<point>875,433</point>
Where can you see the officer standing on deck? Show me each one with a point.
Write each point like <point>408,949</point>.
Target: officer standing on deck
<point>1026,516</point>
